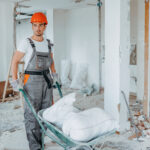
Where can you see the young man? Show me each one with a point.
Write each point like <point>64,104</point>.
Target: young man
<point>38,82</point>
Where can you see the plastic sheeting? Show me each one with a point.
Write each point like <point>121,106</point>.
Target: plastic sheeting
<point>65,70</point>
<point>79,80</point>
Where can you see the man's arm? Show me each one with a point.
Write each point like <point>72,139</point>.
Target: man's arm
<point>16,59</point>
<point>53,65</point>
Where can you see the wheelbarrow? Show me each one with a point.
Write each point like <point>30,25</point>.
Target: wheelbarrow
<point>56,134</point>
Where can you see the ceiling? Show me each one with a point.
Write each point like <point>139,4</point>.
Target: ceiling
<point>50,4</point>
<point>56,4</point>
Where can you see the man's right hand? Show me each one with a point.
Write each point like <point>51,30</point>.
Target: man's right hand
<point>15,85</point>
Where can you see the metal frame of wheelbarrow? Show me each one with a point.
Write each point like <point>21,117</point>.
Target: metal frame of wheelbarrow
<point>56,134</point>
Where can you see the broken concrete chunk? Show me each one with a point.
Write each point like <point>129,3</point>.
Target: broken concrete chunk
<point>141,128</point>
<point>137,114</point>
<point>117,132</point>
<point>89,90</point>
<point>134,136</point>
<point>147,125</point>
<point>17,106</point>
<point>141,118</point>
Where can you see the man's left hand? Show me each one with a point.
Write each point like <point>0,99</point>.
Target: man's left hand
<point>55,77</point>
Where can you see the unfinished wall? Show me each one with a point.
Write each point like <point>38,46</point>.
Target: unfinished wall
<point>6,38</point>
<point>124,62</point>
<point>137,38</point>
<point>133,23</point>
<point>50,29</point>
<point>23,30</point>
<point>140,47</point>
<point>59,38</point>
<point>117,46</point>
<point>112,59</point>
<point>103,43</point>
<point>81,39</point>
<point>133,39</point>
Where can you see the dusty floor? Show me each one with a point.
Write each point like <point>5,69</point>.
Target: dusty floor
<point>13,137</point>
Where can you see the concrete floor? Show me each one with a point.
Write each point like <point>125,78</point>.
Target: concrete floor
<point>13,136</point>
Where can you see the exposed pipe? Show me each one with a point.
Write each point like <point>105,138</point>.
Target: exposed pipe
<point>22,13</point>
<point>14,32</point>
<point>99,4</point>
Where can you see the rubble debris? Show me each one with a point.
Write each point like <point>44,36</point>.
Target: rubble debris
<point>137,114</point>
<point>89,90</point>
<point>17,106</point>
<point>134,136</point>
<point>114,145</point>
<point>146,125</point>
<point>117,132</point>
<point>140,120</point>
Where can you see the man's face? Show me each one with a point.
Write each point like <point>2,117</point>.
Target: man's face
<point>38,28</point>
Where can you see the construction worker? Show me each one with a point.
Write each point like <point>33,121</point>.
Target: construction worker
<point>38,58</point>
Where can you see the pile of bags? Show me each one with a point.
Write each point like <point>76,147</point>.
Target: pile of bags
<point>79,125</point>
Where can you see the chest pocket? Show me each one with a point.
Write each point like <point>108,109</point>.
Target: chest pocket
<point>41,61</point>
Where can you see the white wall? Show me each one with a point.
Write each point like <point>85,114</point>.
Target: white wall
<point>112,59</point>
<point>23,30</point>
<point>79,40</point>
<point>103,43</point>
<point>6,38</point>
<point>124,62</point>
<point>59,38</point>
<point>140,47</point>
<point>137,37</point>
<point>117,46</point>
<point>133,39</point>
<point>133,23</point>
<point>50,29</point>
<point>82,39</point>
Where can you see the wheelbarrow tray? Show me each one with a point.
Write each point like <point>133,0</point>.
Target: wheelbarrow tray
<point>65,139</point>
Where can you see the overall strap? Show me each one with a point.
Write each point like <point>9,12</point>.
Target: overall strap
<point>49,45</point>
<point>33,53</point>
<point>32,44</point>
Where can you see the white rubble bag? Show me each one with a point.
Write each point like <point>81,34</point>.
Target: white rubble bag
<point>58,112</point>
<point>65,70</point>
<point>88,124</point>
<point>79,80</point>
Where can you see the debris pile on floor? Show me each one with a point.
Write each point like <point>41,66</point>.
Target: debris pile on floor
<point>141,121</point>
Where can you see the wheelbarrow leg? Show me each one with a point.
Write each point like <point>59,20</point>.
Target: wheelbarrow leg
<point>42,140</point>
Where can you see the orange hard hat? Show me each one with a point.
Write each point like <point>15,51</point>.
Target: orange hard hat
<point>39,17</point>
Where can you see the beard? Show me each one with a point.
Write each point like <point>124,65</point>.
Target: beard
<point>38,33</point>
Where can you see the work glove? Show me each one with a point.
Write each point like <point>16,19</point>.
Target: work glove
<point>55,79</point>
<point>15,85</point>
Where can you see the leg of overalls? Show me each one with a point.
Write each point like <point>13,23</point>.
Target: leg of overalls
<point>47,97</point>
<point>46,102</point>
<point>34,91</point>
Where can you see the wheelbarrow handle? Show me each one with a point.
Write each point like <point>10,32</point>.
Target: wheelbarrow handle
<point>59,89</point>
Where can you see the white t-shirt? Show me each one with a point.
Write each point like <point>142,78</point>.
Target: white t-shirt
<point>25,47</point>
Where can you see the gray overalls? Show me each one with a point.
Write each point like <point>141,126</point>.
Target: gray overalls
<point>39,91</point>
